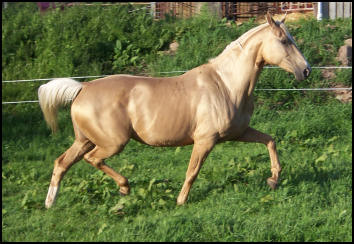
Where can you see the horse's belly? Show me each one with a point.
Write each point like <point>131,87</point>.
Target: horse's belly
<point>160,116</point>
<point>160,135</point>
<point>161,126</point>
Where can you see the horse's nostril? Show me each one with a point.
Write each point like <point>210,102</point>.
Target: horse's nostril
<point>307,72</point>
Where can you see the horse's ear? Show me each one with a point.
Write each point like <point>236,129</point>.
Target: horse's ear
<point>270,20</point>
<point>274,26</point>
<point>283,20</point>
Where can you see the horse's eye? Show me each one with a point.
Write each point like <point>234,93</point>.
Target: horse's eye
<point>284,41</point>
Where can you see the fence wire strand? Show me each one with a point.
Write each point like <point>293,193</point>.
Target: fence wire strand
<point>163,72</point>
<point>183,71</point>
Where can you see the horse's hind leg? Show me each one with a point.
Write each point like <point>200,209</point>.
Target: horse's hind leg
<point>62,164</point>
<point>252,135</point>
<point>96,158</point>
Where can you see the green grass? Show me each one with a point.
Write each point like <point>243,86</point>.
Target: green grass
<point>229,201</point>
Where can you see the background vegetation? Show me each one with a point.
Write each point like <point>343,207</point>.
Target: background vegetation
<point>230,200</point>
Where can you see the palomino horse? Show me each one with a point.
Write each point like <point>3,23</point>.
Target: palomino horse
<point>209,104</point>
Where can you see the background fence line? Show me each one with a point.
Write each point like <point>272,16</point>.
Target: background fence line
<point>182,71</point>
<point>163,72</point>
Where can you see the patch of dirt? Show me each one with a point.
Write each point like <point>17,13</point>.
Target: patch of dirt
<point>328,74</point>
<point>344,96</point>
<point>172,48</point>
<point>345,53</point>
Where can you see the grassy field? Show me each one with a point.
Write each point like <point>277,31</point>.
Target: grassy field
<point>230,200</point>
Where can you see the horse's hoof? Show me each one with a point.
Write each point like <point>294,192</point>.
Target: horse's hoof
<point>181,201</point>
<point>124,192</point>
<point>272,183</point>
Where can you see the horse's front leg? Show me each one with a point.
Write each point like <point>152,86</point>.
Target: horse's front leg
<point>199,154</point>
<point>252,135</point>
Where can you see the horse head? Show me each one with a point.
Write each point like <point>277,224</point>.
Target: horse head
<point>279,49</point>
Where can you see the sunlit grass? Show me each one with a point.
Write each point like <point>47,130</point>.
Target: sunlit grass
<point>229,201</point>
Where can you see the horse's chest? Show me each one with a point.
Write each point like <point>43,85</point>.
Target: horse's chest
<point>237,120</point>
<point>223,117</point>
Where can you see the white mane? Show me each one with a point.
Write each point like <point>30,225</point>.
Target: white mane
<point>239,41</point>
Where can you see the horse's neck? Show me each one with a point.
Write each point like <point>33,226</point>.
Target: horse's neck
<point>239,68</point>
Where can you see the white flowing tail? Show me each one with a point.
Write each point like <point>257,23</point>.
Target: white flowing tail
<point>56,93</point>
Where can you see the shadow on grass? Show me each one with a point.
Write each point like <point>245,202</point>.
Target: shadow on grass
<point>23,123</point>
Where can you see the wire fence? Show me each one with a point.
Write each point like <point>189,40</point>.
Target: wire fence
<point>183,71</point>
<point>164,72</point>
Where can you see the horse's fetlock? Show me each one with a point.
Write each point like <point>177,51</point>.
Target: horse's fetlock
<point>124,182</point>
